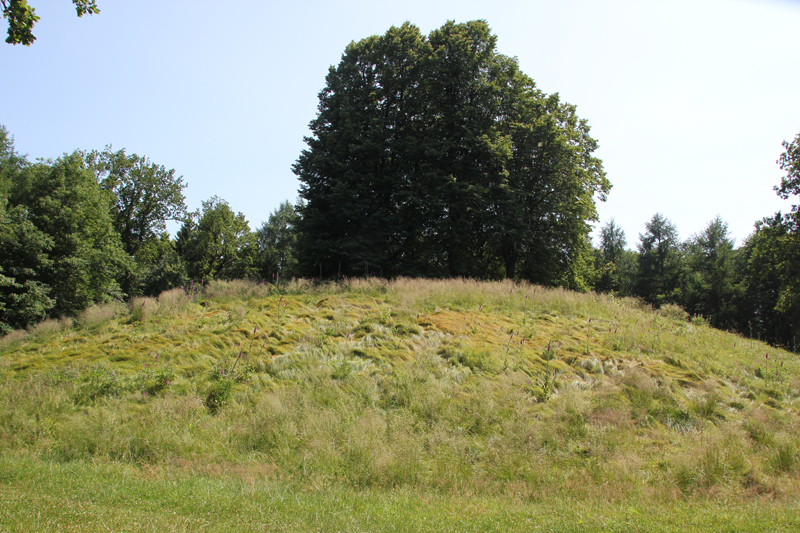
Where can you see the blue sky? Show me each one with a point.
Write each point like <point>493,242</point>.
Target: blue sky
<point>689,100</point>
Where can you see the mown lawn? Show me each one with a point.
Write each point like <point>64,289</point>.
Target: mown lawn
<point>37,496</point>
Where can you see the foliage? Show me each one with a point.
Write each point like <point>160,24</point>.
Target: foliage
<point>277,243</point>
<point>762,265</point>
<point>159,267</point>
<point>789,162</point>
<point>145,195</point>
<point>65,203</point>
<point>659,262</point>
<point>615,264</point>
<point>711,288</point>
<point>60,252</point>
<point>770,265</point>
<point>22,17</point>
<point>789,301</point>
<point>24,297</point>
<point>216,243</point>
<point>95,383</point>
<point>437,156</point>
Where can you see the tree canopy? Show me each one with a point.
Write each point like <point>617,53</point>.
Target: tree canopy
<point>437,156</point>
<point>59,252</point>
<point>276,239</point>
<point>217,243</point>
<point>145,195</point>
<point>659,261</point>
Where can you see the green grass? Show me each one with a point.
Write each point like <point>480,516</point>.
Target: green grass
<point>88,497</point>
<point>476,406</point>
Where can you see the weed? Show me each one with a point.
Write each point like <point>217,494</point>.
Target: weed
<point>151,381</point>
<point>143,308</point>
<point>96,382</point>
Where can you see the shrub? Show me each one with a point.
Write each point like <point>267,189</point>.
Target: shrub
<point>218,393</point>
<point>152,381</point>
<point>221,384</point>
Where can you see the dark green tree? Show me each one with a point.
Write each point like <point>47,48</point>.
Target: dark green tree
<point>277,240</point>
<point>658,278</point>
<point>436,156</point>
<point>711,287</point>
<point>763,274</point>
<point>789,302</point>
<point>24,297</point>
<point>771,268</point>
<point>22,17</point>
<point>216,243</point>
<point>362,158</point>
<point>165,269</point>
<point>616,265</point>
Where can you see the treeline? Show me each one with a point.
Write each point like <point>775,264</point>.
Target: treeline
<point>90,227</point>
<point>753,289</point>
<point>750,289</point>
<point>430,156</point>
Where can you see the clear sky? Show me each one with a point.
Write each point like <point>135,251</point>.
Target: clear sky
<point>689,100</point>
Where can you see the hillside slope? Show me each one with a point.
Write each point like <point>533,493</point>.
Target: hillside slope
<point>458,386</point>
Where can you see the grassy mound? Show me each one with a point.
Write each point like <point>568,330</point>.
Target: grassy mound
<point>455,388</point>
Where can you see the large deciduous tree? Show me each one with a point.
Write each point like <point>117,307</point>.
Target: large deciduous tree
<point>24,295</point>
<point>773,262</point>
<point>789,302</point>
<point>145,195</point>
<point>437,156</point>
<point>60,209</point>
<point>763,270</point>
